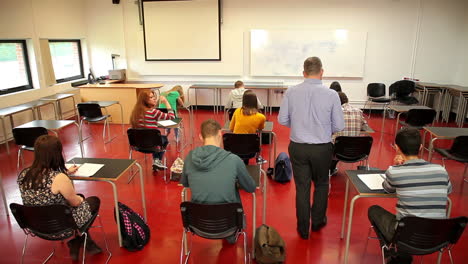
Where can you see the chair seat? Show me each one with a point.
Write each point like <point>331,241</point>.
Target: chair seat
<point>95,119</point>
<point>380,100</point>
<point>446,153</point>
<point>27,148</point>
<point>347,159</point>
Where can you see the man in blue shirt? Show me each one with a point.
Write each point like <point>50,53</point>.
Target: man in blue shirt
<point>313,112</point>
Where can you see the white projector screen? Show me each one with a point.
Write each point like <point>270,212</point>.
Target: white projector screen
<point>182,30</point>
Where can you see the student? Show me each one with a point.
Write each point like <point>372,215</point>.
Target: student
<point>235,98</point>
<point>335,86</point>
<point>247,120</point>
<point>212,173</point>
<point>145,115</point>
<point>421,189</point>
<point>175,97</point>
<point>46,182</point>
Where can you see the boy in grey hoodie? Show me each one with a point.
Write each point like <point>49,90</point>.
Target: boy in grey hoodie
<point>213,173</point>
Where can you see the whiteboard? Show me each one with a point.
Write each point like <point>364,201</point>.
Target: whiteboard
<point>181,30</point>
<point>282,52</point>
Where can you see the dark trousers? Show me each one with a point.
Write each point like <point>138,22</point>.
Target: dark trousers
<point>160,154</point>
<point>310,162</point>
<point>385,223</point>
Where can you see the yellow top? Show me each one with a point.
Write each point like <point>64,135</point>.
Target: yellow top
<point>246,124</point>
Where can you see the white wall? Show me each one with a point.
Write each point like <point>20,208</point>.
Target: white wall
<point>462,73</point>
<point>406,38</point>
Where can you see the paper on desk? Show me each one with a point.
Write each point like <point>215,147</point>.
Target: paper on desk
<point>86,169</point>
<point>373,181</point>
<point>167,123</point>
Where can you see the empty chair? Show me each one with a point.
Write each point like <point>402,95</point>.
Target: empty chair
<point>423,236</point>
<point>401,91</point>
<point>51,222</point>
<point>25,138</point>
<point>91,113</point>
<point>211,221</point>
<point>351,149</point>
<point>458,152</point>
<point>418,118</point>
<point>147,141</point>
<point>376,95</point>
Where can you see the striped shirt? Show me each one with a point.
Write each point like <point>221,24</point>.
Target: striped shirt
<point>421,188</point>
<point>153,115</point>
<point>354,121</point>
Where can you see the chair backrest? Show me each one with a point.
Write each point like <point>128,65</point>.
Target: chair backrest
<point>212,221</point>
<point>162,109</point>
<point>241,144</point>
<point>28,135</point>
<point>402,88</point>
<point>144,138</point>
<point>420,117</point>
<point>460,147</point>
<point>421,236</point>
<point>375,89</point>
<point>352,148</point>
<point>45,221</point>
<point>89,110</point>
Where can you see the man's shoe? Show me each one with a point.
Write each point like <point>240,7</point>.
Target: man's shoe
<point>318,226</point>
<point>303,235</point>
<point>158,165</point>
<point>260,160</point>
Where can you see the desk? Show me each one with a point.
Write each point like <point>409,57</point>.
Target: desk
<point>54,125</point>
<point>363,192</point>
<point>442,133</point>
<point>125,93</point>
<point>462,93</point>
<point>432,88</point>
<point>9,112</point>
<point>400,109</point>
<point>56,99</point>
<point>105,104</point>
<point>113,169</point>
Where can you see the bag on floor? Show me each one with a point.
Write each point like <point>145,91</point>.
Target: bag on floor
<point>135,232</point>
<point>176,169</point>
<point>283,168</point>
<point>269,246</point>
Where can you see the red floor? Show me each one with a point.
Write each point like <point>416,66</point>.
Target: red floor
<point>164,218</point>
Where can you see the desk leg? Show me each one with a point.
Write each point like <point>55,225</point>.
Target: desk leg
<point>80,139</point>
<point>350,222</point>
<point>142,186</point>
<point>116,207</point>
<point>254,221</point>
<point>383,123</point>
<point>431,148</point>
<point>121,117</point>
<point>396,124</point>
<point>5,139</point>
<point>264,197</point>
<point>345,206</point>
<point>3,195</point>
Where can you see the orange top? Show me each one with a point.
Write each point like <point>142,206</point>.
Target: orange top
<point>246,124</point>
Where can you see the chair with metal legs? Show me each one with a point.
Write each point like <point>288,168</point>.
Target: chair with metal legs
<point>376,95</point>
<point>25,138</point>
<point>92,113</point>
<point>458,152</point>
<point>352,149</point>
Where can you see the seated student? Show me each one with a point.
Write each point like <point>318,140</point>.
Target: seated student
<point>355,123</point>
<point>421,189</point>
<point>247,119</point>
<point>175,97</point>
<point>212,173</point>
<point>235,98</point>
<point>46,182</point>
<point>335,86</point>
<point>145,115</point>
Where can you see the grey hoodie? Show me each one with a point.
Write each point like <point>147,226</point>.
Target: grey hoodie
<point>211,173</point>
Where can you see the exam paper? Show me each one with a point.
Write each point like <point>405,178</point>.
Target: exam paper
<point>373,181</point>
<point>86,169</point>
<point>167,123</point>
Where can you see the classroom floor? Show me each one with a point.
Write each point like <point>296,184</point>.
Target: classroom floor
<point>164,218</point>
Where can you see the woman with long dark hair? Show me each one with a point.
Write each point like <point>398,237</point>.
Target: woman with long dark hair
<point>46,182</point>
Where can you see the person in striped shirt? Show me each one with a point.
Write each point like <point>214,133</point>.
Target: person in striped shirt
<point>145,115</point>
<point>421,188</point>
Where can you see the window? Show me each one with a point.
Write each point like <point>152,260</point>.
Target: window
<point>15,74</point>
<point>66,59</point>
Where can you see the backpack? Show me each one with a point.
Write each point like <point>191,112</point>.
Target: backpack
<point>176,169</point>
<point>135,232</point>
<point>283,168</point>
<point>269,246</point>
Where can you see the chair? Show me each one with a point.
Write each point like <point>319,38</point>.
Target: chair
<point>401,92</point>
<point>418,118</point>
<point>351,149</point>
<point>423,236</point>
<point>53,223</point>
<point>211,221</point>
<point>147,141</point>
<point>91,113</point>
<point>458,152</point>
<point>25,138</point>
<point>376,95</point>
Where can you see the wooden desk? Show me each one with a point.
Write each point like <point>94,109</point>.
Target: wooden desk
<point>125,93</point>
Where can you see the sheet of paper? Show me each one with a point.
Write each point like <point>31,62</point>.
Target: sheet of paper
<point>167,123</point>
<point>86,169</point>
<point>373,181</point>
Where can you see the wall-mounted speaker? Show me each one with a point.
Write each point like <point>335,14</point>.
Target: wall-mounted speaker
<point>116,2</point>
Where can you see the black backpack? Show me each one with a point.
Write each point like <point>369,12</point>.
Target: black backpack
<point>283,168</point>
<point>135,232</point>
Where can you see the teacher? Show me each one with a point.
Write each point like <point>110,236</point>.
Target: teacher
<point>313,112</point>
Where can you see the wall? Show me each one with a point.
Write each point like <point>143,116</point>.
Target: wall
<point>462,73</point>
<point>406,38</point>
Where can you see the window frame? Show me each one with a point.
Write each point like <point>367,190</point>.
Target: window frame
<point>80,56</point>
<point>28,86</point>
